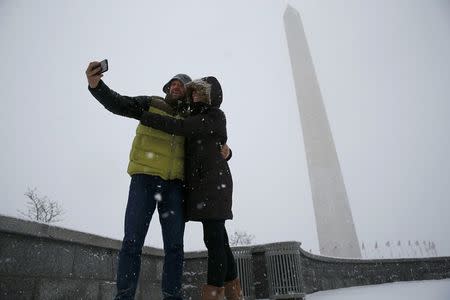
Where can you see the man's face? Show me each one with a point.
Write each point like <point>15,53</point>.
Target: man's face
<point>177,90</point>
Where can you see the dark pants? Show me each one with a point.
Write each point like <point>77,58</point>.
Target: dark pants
<point>221,263</point>
<point>146,193</point>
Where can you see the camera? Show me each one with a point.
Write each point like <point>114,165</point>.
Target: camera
<point>103,66</point>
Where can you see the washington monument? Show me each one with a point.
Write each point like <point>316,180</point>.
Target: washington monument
<point>335,227</point>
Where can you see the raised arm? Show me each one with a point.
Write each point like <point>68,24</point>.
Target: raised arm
<point>112,101</point>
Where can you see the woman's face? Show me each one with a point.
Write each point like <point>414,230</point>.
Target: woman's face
<point>195,96</point>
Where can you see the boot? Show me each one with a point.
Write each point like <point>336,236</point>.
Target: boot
<point>233,290</point>
<point>210,292</point>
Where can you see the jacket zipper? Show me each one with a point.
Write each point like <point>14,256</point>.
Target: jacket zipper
<point>172,158</point>
<point>172,150</point>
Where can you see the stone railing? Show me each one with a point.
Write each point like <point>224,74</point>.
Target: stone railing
<point>38,261</point>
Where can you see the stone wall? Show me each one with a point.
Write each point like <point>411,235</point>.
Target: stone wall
<point>38,261</point>
<point>322,273</point>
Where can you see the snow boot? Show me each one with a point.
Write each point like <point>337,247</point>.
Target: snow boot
<point>210,292</point>
<point>233,290</point>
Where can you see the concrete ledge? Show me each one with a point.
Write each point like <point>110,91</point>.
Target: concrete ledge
<point>38,261</point>
<point>39,230</point>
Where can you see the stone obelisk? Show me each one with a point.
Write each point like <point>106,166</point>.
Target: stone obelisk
<point>335,227</point>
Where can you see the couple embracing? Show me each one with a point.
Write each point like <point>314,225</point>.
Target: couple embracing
<point>178,165</point>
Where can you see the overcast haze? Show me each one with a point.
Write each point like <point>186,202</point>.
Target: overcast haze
<point>384,72</point>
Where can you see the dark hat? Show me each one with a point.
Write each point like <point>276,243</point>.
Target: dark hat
<point>181,77</point>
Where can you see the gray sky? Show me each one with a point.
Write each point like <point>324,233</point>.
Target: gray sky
<point>384,73</point>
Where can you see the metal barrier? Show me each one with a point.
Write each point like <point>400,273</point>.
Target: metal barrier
<point>283,268</point>
<point>244,264</point>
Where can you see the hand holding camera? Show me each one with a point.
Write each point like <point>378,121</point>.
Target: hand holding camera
<point>94,72</point>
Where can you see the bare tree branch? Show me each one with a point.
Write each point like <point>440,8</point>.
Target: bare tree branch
<point>41,209</point>
<point>241,238</point>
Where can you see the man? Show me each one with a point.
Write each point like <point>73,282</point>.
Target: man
<point>156,168</point>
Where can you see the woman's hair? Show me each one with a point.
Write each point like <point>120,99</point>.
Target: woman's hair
<point>202,88</point>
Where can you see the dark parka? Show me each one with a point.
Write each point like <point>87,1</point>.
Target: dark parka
<point>209,185</point>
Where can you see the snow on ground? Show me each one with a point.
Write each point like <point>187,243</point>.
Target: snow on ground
<point>412,290</point>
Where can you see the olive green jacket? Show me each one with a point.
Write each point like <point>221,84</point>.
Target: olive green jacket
<point>153,152</point>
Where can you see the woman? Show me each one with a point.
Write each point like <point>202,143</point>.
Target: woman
<point>208,180</point>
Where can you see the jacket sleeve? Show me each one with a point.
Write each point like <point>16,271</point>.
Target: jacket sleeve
<point>131,107</point>
<point>202,124</point>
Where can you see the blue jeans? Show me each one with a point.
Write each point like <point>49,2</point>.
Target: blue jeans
<point>146,193</point>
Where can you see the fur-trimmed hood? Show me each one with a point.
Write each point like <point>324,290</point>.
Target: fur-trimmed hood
<point>208,88</point>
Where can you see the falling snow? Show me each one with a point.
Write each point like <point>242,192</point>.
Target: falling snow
<point>158,197</point>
